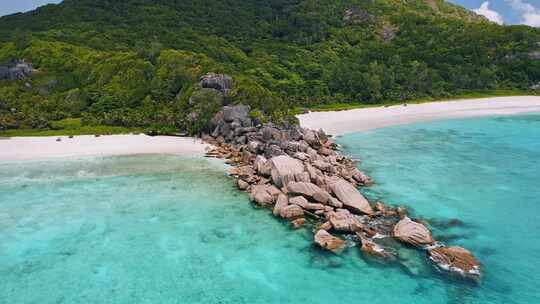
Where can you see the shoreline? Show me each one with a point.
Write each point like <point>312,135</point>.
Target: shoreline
<point>42,148</point>
<point>365,119</point>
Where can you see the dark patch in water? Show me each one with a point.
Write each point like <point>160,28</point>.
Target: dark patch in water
<point>487,251</point>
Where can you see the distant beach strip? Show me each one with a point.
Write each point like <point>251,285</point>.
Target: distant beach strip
<point>37,148</point>
<point>342,122</point>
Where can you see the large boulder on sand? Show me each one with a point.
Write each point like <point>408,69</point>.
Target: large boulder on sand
<point>411,232</point>
<point>284,168</point>
<point>327,241</point>
<point>351,198</point>
<point>456,261</point>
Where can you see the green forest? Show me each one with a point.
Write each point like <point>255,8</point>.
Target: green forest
<point>135,64</point>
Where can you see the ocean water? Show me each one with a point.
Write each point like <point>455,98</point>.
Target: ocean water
<point>484,172</point>
<point>167,229</point>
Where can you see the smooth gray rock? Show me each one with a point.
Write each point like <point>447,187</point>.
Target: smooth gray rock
<point>262,166</point>
<point>344,221</point>
<point>271,151</point>
<point>351,198</point>
<point>327,241</point>
<point>220,82</point>
<point>322,197</point>
<point>282,166</point>
<point>411,232</point>
<point>271,133</point>
<point>303,188</point>
<point>299,201</point>
<point>291,212</point>
<point>239,113</point>
<point>261,196</point>
<point>16,70</point>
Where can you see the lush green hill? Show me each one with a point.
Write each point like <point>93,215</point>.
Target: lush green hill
<point>135,63</point>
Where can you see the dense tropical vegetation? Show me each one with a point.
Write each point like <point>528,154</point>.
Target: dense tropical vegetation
<point>136,63</point>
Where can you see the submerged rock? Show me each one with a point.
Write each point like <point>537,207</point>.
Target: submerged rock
<point>329,242</point>
<point>298,223</point>
<point>344,221</point>
<point>413,233</point>
<point>456,261</point>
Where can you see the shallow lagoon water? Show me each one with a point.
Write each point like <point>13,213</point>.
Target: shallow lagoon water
<point>166,229</point>
<point>484,172</point>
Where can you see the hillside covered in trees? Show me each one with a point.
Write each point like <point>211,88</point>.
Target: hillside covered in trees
<point>136,63</point>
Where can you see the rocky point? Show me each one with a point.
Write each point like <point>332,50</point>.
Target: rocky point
<point>299,174</point>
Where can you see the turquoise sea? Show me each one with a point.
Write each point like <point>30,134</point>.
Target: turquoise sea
<point>166,229</point>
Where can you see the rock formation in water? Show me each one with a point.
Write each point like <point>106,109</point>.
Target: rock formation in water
<point>300,175</point>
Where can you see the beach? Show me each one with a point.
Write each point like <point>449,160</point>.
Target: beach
<point>357,120</point>
<point>37,148</point>
<point>334,122</point>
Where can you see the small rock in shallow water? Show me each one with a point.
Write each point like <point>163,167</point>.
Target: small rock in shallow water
<point>242,185</point>
<point>412,233</point>
<point>373,249</point>
<point>298,223</point>
<point>456,261</point>
<point>327,241</point>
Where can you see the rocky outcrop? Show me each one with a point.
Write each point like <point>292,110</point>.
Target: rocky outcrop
<point>412,233</point>
<point>299,173</point>
<point>16,70</point>
<point>220,82</point>
<point>329,242</point>
<point>456,261</point>
<point>356,15</point>
<point>238,113</point>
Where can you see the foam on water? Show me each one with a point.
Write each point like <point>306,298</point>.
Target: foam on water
<point>165,229</point>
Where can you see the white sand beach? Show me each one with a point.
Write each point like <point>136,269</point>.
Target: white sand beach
<point>33,148</point>
<point>342,122</point>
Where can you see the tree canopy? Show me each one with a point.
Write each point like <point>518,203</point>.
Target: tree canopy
<point>135,63</point>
